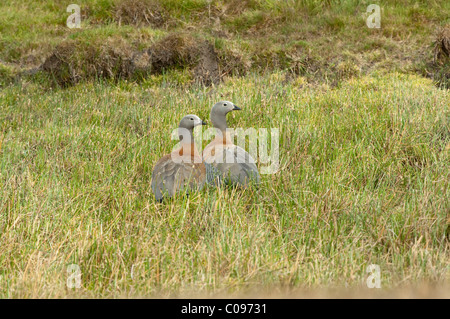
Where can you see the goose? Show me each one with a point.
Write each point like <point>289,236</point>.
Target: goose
<point>182,170</point>
<point>230,164</point>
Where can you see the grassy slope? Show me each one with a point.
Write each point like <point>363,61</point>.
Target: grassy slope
<point>323,40</point>
<point>364,166</point>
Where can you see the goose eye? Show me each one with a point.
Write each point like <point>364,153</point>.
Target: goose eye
<point>224,104</point>
<point>192,118</point>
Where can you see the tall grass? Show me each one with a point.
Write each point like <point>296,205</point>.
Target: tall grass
<point>364,179</point>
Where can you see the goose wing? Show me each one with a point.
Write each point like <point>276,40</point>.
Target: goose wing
<point>169,177</point>
<point>232,164</point>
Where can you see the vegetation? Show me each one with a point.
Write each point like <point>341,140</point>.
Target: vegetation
<point>325,41</point>
<point>364,120</point>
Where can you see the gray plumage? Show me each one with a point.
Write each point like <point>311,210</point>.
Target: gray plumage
<point>240,170</point>
<point>169,178</point>
<point>213,175</point>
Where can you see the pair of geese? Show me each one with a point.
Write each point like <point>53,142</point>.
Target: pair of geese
<point>221,162</point>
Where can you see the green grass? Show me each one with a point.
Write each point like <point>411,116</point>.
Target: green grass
<point>261,33</point>
<point>364,152</point>
<point>364,179</point>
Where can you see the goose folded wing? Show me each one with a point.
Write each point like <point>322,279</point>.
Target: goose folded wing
<point>170,177</point>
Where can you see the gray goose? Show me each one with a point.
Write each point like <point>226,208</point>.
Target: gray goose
<point>230,163</point>
<point>182,170</point>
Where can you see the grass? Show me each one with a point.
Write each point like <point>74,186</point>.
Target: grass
<point>364,150</point>
<point>363,179</point>
<point>262,35</point>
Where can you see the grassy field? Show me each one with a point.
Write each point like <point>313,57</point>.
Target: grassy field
<point>364,156</point>
<point>363,179</point>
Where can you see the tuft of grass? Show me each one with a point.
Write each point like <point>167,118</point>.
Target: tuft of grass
<point>140,12</point>
<point>7,74</point>
<point>74,61</point>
